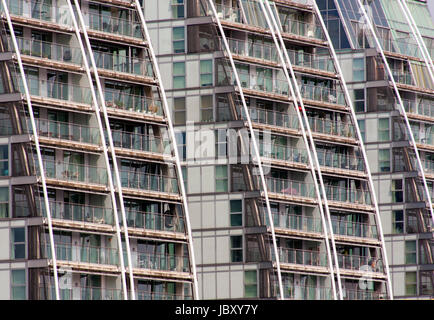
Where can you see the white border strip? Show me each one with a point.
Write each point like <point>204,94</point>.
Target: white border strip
<point>38,150</point>
<point>175,149</point>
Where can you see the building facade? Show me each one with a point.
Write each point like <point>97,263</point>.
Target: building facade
<point>386,49</point>
<point>279,190</point>
<point>81,99</point>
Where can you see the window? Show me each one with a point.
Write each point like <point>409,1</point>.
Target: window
<point>397,191</point>
<point>361,124</point>
<point>236,215</point>
<point>178,75</point>
<point>411,221</point>
<point>359,100</point>
<point>426,285</point>
<point>178,40</point>
<point>180,142</point>
<point>236,248</point>
<point>18,284</point>
<point>179,110</point>
<point>221,143</point>
<point>206,108</point>
<point>250,284</point>
<point>410,283</point>
<point>383,129</point>
<point>205,73</point>
<point>184,176</point>
<point>178,9</point>
<point>4,202</point>
<point>358,69</point>
<point>18,243</point>
<point>398,221</point>
<point>410,252</point>
<point>4,160</point>
<point>384,160</point>
<point>221,178</point>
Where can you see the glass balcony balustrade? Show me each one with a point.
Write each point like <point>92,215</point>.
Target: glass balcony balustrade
<point>122,63</point>
<point>302,28</point>
<point>74,172</point>
<point>403,46</point>
<point>152,295</point>
<point>134,103</point>
<point>271,117</point>
<point>362,263</point>
<point>282,152</point>
<point>141,142</point>
<point>358,294</point>
<point>45,11</point>
<point>66,131</point>
<point>423,108</point>
<point>304,257</point>
<point>80,293</point>
<point>322,94</point>
<point>227,13</point>
<point>301,292</point>
<point>354,229</point>
<point>332,159</point>
<point>422,135</point>
<point>313,61</point>
<point>289,187</point>
<point>83,253</point>
<point>154,221</point>
<point>147,181</point>
<point>403,77</point>
<point>166,262</point>
<point>109,23</point>
<point>330,127</point>
<point>428,165</point>
<point>348,195</point>
<point>49,50</point>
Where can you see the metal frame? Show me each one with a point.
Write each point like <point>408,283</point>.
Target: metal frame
<point>275,29</point>
<point>255,146</point>
<point>174,146</point>
<point>104,146</point>
<point>401,107</point>
<point>38,149</point>
<point>362,148</point>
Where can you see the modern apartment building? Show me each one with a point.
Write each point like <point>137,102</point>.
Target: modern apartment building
<point>386,50</point>
<point>92,203</point>
<point>279,189</point>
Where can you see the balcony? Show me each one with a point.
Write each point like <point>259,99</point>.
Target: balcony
<point>403,77</point>
<point>141,142</point>
<point>49,50</point>
<point>342,161</point>
<point>322,94</point>
<point>358,263</point>
<point>297,292</point>
<point>348,195</point>
<point>312,61</point>
<point>227,13</point>
<point>290,188</point>
<point>302,28</point>
<point>354,229</point>
<point>256,50</point>
<point>67,131</point>
<point>113,25</point>
<point>302,257</point>
<point>121,63</point>
<point>356,294</point>
<point>132,103</point>
<point>282,152</point>
<point>148,182</point>
<point>149,295</point>
<point>422,108</point>
<point>271,117</point>
<point>154,221</point>
<point>330,127</point>
<point>165,262</point>
<point>80,293</point>
<point>295,222</point>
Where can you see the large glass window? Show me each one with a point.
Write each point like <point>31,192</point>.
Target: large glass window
<point>398,221</point>
<point>236,215</point>
<point>359,100</point>
<point>179,110</point>
<point>358,69</point>
<point>383,129</point>
<point>178,75</point>
<point>18,237</point>
<point>4,202</point>
<point>206,108</point>
<point>397,191</point>
<point>236,248</point>
<point>250,284</point>
<point>4,160</point>
<point>178,39</point>
<point>410,283</point>
<point>178,10</point>
<point>410,252</point>
<point>205,73</point>
<point>18,284</point>
<point>361,124</point>
<point>221,178</point>
<point>384,160</point>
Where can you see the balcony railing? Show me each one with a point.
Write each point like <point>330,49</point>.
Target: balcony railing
<point>147,181</point>
<point>322,94</point>
<point>403,77</point>
<point>67,131</point>
<point>310,60</point>
<point>339,160</point>
<point>255,50</point>
<point>154,221</point>
<point>80,293</point>
<point>297,292</point>
<point>133,103</point>
<point>348,195</point>
<point>353,262</point>
<point>354,229</point>
<point>85,254</point>
<point>149,295</point>
<point>304,257</point>
<point>142,142</point>
<point>114,25</point>
<point>282,152</point>
<point>271,117</point>
<point>329,127</point>
<point>428,165</point>
<point>74,172</point>
<point>122,63</point>
<point>228,13</point>
<point>355,294</point>
<point>289,187</point>
<point>49,50</point>
<point>421,108</point>
<point>167,262</point>
<point>302,28</point>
